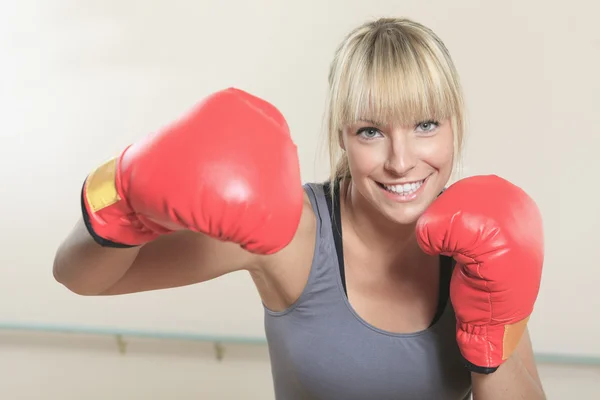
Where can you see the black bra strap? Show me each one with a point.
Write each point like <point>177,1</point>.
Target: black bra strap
<point>446,268</point>
<point>336,224</point>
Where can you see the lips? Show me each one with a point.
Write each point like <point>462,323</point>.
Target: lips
<point>404,189</point>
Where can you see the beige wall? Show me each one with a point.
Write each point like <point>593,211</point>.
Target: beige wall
<point>79,80</point>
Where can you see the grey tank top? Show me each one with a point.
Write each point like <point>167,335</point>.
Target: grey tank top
<point>321,349</point>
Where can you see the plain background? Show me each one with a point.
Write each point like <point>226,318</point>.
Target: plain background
<point>81,80</point>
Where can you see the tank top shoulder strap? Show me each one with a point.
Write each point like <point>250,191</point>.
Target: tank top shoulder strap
<point>317,197</point>
<point>335,218</point>
<point>323,277</point>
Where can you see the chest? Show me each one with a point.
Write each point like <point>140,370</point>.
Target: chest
<point>391,298</point>
<point>335,354</point>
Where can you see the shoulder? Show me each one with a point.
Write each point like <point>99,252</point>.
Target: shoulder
<point>304,238</point>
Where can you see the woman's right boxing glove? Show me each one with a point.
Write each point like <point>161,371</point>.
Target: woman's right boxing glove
<point>228,169</point>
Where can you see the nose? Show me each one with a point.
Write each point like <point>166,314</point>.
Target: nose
<point>402,157</point>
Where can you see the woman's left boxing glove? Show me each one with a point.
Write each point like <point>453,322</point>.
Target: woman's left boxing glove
<point>493,229</point>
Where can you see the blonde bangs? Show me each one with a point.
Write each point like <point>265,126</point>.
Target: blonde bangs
<point>394,83</point>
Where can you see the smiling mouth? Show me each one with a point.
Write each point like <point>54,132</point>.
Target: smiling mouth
<point>404,189</point>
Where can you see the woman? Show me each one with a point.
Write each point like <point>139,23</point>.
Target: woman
<point>355,273</point>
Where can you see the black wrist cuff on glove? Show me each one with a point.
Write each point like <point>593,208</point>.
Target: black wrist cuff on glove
<point>100,240</point>
<point>477,369</point>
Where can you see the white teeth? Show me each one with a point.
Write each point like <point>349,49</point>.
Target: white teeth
<point>404,189</point>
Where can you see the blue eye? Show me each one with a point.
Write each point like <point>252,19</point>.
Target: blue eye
<point>427,126</point>
<point>368,133</point>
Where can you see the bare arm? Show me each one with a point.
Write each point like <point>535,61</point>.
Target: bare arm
<point>178,259</point>
<point>517,378</point>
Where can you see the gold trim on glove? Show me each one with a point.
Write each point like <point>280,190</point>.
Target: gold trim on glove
<point>512,336</point>
<point>100,186</point>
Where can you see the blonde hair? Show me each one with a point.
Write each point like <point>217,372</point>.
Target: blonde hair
<point>391,69</point>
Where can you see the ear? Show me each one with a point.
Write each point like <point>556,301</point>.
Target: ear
<point>341,140</point>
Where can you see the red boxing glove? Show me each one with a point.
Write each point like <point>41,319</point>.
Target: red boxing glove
<point>493,229</point>
<point>228,169</point>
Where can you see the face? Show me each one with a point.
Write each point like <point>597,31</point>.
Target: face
<point>399,170</point>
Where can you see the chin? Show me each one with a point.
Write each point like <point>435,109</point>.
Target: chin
<point>405,216</point>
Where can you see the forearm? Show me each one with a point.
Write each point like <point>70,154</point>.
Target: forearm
<point>87,268</point>
<point>511,381</point>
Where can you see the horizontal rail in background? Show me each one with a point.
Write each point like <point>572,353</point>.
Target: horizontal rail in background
<point>219,340</point>
<point>82,330</point>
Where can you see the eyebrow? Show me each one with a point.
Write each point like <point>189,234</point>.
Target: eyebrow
<point>369,121</point>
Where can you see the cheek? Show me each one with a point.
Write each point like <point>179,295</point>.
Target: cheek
<point>365,158</point>
<point>437,151</point>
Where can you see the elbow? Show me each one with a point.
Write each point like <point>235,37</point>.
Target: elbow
<point>70,285</point>
<point>73,285</point>
<point>57,270</point>
<point>78,289</point>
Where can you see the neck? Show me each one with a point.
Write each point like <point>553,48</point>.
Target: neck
<point>374,230</point>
